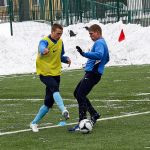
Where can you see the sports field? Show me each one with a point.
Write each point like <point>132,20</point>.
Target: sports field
<point>122,97</point>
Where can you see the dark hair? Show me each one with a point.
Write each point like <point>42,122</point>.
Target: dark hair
<point>55,26</point>
<point>95,28</point>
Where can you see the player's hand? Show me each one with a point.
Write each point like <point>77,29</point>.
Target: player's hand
<point>46,51</point>
<point>79,50</point>
<point>68,61</point>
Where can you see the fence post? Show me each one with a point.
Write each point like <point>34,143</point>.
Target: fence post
<point>42,10</point>
<point>80,10</point>
<point>24,10</point>
<point>93,9</point>
<point>66,12</point>
<point>129,16</point>
<point>63,8</point>
<point>77,9</point>
<point>50,9</point>
<point>11,16</point>
<point>118,13</point>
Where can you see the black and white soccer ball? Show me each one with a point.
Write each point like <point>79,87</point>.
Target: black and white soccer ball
<point>85,126</point>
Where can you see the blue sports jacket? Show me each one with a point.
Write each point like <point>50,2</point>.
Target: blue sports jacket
<point>97,57</point>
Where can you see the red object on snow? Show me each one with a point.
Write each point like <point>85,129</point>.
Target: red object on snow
<point>121,36</point>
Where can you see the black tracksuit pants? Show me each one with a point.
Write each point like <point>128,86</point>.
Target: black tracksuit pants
<point>52,85</point>
<point>83,88</point>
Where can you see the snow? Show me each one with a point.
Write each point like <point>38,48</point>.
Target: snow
<point>18,52</point>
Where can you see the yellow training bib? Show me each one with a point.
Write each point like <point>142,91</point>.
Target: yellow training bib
<point>50,64</point>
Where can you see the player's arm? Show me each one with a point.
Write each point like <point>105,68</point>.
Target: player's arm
<point>65,59</point>
<point>43,50</point>
<point>95,54</point>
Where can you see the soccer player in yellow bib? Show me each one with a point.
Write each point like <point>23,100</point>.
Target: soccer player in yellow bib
<point>48,67</point>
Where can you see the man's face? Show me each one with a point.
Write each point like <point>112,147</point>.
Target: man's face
<point>94,35</point>
<point>56,34</point>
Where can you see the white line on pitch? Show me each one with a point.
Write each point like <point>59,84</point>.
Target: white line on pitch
<point>17,99</point>
<point>102,119</point>
<point>67,99</point>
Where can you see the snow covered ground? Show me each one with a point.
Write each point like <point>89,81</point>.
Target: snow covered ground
<point>18,52</point>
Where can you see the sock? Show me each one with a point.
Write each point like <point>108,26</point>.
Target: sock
<point>42,112</point>
<point>59,101</point>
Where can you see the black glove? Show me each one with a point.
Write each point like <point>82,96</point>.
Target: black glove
<point>79,50</point>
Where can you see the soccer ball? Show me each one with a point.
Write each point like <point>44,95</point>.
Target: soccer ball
<point>85,126</point>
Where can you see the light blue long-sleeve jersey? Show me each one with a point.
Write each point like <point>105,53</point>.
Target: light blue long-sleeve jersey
<point>44,44</point>
<point>97,57</point>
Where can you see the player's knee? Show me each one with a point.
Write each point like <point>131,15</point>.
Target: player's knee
<point>78,95</point>
<point>75,94</point>
<point>44,108</point>
<point>49,104</point>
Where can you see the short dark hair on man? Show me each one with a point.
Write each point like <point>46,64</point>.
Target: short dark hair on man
<point>55,26</point>
<point>95,28</point>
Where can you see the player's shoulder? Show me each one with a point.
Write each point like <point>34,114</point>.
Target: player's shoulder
<point>101,41</point>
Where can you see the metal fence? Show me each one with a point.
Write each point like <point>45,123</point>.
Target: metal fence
<point>72,11</point>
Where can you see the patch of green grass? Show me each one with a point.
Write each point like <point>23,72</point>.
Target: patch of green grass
<point>123,83</point>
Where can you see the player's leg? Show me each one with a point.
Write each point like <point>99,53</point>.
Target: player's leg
<point>76,127</point>
<point>80,93</point>
<point>49,100</point>
<point>53,84</point>
<point>93,113</point>
<point>92,80</point>
<point>82,104</point>
<point>58,99</point>
<point>48,103</point>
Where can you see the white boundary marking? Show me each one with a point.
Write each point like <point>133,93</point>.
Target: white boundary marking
<point>33,74</point>
<point>17,75</point>
<point>67,99</point>
<point>139,94</point>
<point>102,119</point>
